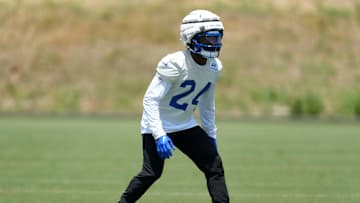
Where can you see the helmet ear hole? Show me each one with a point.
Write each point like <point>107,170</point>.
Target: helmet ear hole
<point>192,47</point>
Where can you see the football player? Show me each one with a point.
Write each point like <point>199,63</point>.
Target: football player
<point>183,81</point>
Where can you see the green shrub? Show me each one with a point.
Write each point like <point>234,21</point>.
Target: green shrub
<point>350,103</point>
<point>357,107</point>
<point>297,107</point>
<point>313,104</point>
<point>308,105</point>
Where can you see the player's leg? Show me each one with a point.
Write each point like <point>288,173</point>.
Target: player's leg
<point>151,171</point>
<point>197,145</point>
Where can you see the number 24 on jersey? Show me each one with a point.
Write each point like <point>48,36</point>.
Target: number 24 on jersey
<point>192,84</point>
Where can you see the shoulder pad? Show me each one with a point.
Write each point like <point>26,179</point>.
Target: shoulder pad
<point>171,66</point>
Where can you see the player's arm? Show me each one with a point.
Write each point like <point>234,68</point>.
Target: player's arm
<point>207,112</point>
<point>207,108</point>
<point>155,92</point>
<point>167,72</point>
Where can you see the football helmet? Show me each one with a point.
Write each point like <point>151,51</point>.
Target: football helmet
<point>201,32</point>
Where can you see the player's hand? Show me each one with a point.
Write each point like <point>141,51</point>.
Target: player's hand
<point>164,147</point>
<point>213,141</point>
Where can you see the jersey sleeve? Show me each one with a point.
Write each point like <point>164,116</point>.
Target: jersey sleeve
<point>207,112</point>
<point>155,92</point>
<point>170,67</point>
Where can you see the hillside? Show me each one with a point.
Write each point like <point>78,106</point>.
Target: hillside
<point>280,57</point>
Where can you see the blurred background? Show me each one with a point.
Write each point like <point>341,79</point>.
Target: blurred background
<point>83,66</point>
<point>281,58</point>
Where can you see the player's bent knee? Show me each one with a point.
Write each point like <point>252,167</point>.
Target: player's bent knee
<point>150,175</point>
<point>156,176</point>
<point>215,168</point>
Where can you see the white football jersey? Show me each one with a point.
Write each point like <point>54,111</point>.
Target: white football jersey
<point>179,86</point>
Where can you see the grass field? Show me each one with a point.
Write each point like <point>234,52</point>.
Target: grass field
<point>88,160</point>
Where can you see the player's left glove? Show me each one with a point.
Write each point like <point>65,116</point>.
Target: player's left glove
<point>164,146</point>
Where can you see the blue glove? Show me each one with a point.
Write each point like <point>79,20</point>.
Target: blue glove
<point>164,147</point>
<point>213,141</point>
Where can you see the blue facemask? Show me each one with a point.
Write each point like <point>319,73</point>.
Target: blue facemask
<point>207,44</point>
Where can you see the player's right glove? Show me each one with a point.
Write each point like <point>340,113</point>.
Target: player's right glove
<point>164,147</point>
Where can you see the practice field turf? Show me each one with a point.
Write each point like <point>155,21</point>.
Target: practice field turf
<point>82,160</point>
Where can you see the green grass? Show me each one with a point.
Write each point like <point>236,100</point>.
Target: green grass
<point>61,160</point>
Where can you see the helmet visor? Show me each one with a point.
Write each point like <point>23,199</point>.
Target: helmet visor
<point>213,37</point>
